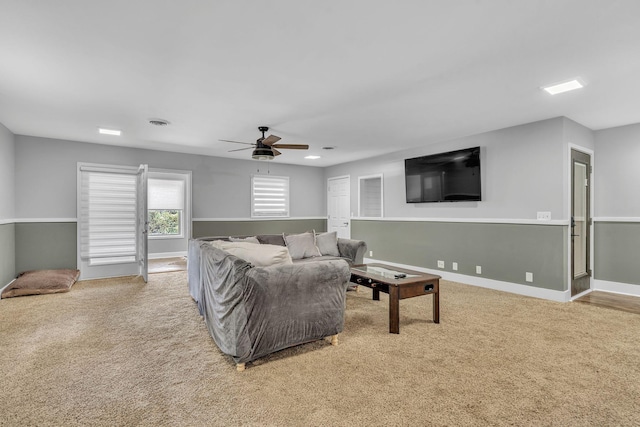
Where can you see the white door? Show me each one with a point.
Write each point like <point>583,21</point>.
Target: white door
<point>339,206</point>
<point>109,209</point>
<point>142,224</point>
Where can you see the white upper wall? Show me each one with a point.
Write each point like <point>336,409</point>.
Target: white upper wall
<point>616,172</point>
<point>7,174</point>
<point>46,178</point>
<point>523,172</point>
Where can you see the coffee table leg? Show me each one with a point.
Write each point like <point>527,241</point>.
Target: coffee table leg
<point>394,310</point>
<point>376,294</point>
<point>436,305</point>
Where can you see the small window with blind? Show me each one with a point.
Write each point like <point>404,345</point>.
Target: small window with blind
<point>269,196</point>
<point>165,207</point>
<point>370,190</point>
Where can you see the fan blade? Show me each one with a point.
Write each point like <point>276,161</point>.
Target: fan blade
<point>275,152</point>
<point>292,146</point>
<point>270,140</point>
<point>237,142</point>
<point>240,149</point>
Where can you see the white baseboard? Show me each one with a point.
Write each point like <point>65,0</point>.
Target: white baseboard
<point>6,286</point>
<point>616,287</point>
<point>514,288</point>
<point>159,255</point>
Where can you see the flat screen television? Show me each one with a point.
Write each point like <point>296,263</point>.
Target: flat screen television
<point>446,177</point>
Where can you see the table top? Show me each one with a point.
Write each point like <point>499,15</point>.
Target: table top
<point>390,274</point>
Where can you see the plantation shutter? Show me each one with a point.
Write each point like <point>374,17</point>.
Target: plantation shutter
<point>370,197</point>
<point>166,194</point>
<point>108,215</point>
<point>269,196</point>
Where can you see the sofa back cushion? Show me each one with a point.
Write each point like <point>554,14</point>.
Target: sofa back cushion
<point>258,255</point>
<point>271,239</point>
<point>302,245</point>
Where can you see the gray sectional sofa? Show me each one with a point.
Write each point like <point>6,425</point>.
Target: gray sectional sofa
<point>251,311</point>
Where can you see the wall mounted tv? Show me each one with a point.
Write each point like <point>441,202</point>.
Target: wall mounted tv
<point>444,177</point>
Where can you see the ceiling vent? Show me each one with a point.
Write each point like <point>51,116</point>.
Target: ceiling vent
<point>159,122</point>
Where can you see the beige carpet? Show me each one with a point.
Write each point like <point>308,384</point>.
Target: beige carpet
<point>119,352</point>
<point>165,265</point>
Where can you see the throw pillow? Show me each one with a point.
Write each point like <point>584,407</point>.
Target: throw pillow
<point>258,255</point>
<point>327,243</point>
<point>252,239</point>
<point>301,245</point>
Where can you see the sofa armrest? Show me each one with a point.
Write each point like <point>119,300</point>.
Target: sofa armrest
<point>291,305</point>
<point>354,250</point>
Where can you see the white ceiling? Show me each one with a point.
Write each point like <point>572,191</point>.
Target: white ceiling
<point>368,76</point>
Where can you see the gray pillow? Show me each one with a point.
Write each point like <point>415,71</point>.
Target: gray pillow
<point>327,243</point>
<point>301,245</point>
<point>252,239</point>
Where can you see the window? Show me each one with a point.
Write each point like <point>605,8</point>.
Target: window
<point>370,196</point>
<point>269,196</point>
<point>165,207</point>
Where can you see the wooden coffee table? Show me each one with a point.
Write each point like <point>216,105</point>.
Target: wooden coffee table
<point>389,279</point>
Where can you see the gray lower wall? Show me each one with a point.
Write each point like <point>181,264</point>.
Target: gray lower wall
<point>45,245</point>
<point>239,228</point>
<point>504,251</point>
<point>7,253</point>
<point>616,249</point>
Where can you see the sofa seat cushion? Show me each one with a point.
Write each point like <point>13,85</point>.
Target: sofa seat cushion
<point>320,258</point>
<point>258,255</point>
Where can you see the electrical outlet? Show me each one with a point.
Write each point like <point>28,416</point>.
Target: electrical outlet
<point>528,277</point>
<point>370,253</point>
<point>544,216</point>
<point>478,269</point>
<point>440,264</point>
<point>454,266</point>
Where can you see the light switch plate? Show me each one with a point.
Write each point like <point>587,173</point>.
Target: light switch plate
<point>478,269</point>
<point>544,216</point>
<point>440,264</point>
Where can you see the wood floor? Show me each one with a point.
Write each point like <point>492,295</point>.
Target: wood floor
<point>626,303</point>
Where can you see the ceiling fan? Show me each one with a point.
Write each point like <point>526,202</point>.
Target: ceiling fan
<point>266,148</point>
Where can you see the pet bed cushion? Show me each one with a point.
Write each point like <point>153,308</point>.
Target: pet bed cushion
<point>36,282</point>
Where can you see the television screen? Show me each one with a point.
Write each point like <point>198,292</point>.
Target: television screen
<point>444,177</point>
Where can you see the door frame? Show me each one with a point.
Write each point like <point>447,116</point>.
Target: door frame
<point>591,154</point>
<point>326,195</point>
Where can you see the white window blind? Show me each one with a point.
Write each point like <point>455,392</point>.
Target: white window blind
<point>108,216</point>
<point>370,196</point>
<point>269,196</point>
<point>165,194</point>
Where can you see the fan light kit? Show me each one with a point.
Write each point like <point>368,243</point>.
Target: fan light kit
<point>265,148</point>
<point>159,122</point>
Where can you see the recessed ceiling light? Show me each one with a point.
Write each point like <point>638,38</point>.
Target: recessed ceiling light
<point>563,87</point>
<point>312,157</point>
<point>105,131</point>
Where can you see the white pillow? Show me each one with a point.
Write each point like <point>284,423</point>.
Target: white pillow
<point>252,239</point>
<point>258,255</point>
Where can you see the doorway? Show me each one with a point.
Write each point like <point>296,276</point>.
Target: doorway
<point>339,206</point>
<point>112,227</point>
<point>580,222</point>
